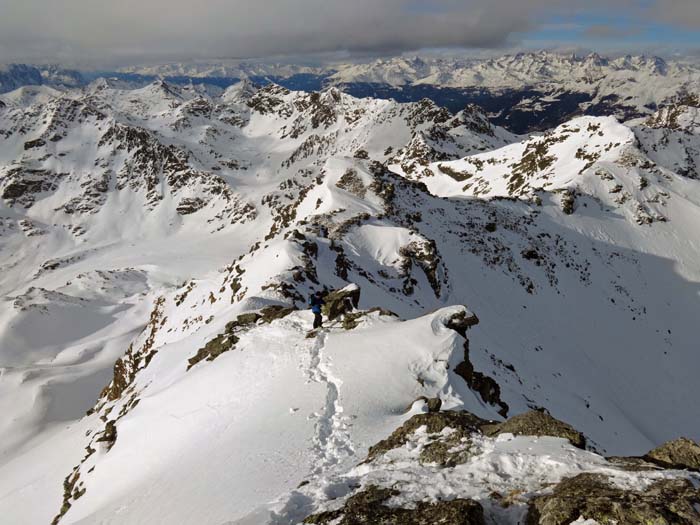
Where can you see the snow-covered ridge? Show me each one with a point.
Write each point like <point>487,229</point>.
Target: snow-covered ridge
<point>513,71</point>
<point>158,254</point>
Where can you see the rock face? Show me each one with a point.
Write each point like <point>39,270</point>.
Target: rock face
<point>591,496</point>
<point>681,453</point>
<point>536,423</point>
<point>367,507</point>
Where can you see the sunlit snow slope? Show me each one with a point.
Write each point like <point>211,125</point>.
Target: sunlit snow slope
<point>179,235</point>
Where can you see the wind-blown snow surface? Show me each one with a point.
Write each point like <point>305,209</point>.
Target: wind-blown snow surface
<point>140,224</point>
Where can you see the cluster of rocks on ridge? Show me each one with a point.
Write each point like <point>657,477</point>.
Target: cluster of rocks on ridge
<point>587,496</point>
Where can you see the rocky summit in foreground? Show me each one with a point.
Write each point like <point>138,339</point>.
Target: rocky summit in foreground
<point>158,364</point>
<point>454,468</point>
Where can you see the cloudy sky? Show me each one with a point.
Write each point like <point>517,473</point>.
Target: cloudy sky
<point>124,31</point>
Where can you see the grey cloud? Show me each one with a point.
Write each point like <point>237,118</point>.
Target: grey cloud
<point>609,31</point>
<point>680,12</point>
<point>127,29</point>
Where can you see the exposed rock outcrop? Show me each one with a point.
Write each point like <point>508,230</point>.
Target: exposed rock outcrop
<point>339,302</point>
<point>462,321</point>
<point>537,423</point>
<point>487,387</point>
<point>368,507</point>
<point>592,496</point>
<point>681,453</point>
<point>464,425</point>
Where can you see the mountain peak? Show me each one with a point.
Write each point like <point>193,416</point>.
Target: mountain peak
<point>240,92</point>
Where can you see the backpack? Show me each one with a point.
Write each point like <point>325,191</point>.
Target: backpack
<point>315,304</point>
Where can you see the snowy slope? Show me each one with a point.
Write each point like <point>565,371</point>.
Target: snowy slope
<point>146,226</point>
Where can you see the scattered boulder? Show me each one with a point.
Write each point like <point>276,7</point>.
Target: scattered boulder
<point>568,202</point>
<point>592,496</point>
<point>31,144</point>
<point>464,424</point>
<point>682,453</point>
<point>339,302</point>
<point>536,423</point>
<point>361,154</point>
<point>109,435</point>
<point>367,507</point>
<point>433,404</point>
<point>530,254</point>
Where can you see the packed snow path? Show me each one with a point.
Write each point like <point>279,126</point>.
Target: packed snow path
<point>332,441</point>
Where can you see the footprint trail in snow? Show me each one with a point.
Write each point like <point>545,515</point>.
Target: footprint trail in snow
<point>331,442</point>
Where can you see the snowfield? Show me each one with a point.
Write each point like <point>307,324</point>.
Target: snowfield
<point>157,363</point>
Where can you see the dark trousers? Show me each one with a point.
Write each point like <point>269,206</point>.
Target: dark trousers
<point>317,320</point>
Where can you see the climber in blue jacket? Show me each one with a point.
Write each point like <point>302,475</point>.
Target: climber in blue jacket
<point>316,302</point>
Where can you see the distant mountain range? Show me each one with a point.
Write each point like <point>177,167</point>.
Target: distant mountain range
<point>524,92</point>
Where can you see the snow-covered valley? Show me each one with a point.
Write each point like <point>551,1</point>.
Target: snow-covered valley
<point>157,358</point>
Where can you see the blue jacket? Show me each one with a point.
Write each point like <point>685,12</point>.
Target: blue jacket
<point>316,303</point>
